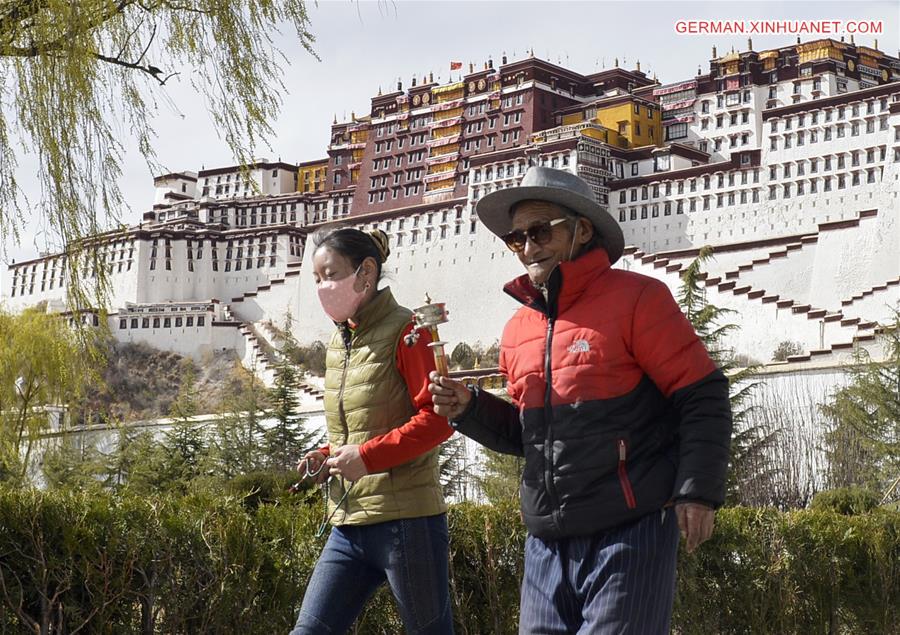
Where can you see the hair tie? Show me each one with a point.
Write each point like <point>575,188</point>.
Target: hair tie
<point>381,243</point>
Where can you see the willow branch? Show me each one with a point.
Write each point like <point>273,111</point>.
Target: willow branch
<point>149,69</point>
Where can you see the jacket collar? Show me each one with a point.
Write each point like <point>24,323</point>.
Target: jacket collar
<point>565,285</point>
<point>381,304</point>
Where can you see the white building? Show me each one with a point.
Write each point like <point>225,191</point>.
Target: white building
<point>789,168</point>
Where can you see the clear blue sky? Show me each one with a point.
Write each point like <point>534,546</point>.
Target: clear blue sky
<point>369,44</point>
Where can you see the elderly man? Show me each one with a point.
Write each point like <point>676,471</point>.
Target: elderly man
<point>621,415</point>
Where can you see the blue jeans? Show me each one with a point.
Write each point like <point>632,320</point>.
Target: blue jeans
<point>411,554</point>
<point>620,581</point>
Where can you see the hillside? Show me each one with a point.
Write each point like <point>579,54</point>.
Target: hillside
<point>141,382</point>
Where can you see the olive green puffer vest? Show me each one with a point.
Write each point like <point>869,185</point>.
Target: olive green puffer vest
<point>365,396</point>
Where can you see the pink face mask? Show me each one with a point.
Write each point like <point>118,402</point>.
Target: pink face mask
<point>338,297</point>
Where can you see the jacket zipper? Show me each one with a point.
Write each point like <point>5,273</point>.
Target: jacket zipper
<point>343,417</point>
<point>623,477</point>
<point>548,419</point>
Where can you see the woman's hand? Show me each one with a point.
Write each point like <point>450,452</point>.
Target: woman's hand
<point>450,397</point>
<point>346,461</point>
<point>310,464</point>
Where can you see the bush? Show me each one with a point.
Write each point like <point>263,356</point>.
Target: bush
<point>785,349</point>
<point>810,571</point>
<point>204,564</point>
<point>257,488</point>
<point>847,500</point>
<point>462,357</point>
<point>309,358</point>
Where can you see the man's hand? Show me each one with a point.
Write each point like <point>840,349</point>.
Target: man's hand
<point>346,461</point>
<point>311,462</point>
<point>695,520</point>
<point>450,397</point>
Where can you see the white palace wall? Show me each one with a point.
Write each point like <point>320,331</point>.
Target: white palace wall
<point>192,342</point>
<point>879,302</point>
<point>272,301</point>
<point>465,271</point>
<point>851,261</point>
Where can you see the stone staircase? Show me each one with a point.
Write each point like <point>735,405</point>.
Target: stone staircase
<point>837,332</point>
<point>266,356</point>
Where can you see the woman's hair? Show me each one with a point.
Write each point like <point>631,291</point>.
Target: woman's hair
<point>355,245</point>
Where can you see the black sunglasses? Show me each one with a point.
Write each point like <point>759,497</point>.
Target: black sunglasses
<point>539,234</point>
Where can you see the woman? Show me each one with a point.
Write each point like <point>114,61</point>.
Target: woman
<point>384,498</point>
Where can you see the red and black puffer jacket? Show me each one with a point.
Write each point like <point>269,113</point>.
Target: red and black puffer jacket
<point>618,408</point>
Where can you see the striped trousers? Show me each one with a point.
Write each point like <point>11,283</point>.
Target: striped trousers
<point>620,581</point>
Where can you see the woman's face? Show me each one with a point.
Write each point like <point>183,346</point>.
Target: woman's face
<point>329,264</point>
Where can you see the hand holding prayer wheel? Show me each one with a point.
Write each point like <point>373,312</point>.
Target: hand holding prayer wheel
<point>450,397</point>
<point>426,318</point>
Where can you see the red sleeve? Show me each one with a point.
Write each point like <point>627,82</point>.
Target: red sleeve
<point>425,429</point>
<point>664,342</point>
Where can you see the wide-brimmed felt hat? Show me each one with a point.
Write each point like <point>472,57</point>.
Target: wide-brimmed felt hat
<point>554,186</point>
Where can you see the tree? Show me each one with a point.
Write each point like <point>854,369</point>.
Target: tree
<point>489,357</point>
<point>238,437</point>
<point>185,442</point>
<point>307,358</point>
<point>453,468</point>
<point>462,357</point>
<point>41,365</point>
<point>749,443</point>
<point>286,440</point>
<point>502,476</point>
<point>80,73</point>
<point>785,349</point>
<point>72,464</point>
<point>863,440</point>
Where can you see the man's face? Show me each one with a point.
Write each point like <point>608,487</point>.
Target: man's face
<point>540,260</point>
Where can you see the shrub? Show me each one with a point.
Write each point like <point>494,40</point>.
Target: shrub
<point>847,500</point>
<point>309,358</point>
<point>257,488</point>
<point>785,349</point>
<point>209,564</point>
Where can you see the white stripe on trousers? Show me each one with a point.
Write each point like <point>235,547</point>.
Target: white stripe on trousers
<point>620,581</point>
